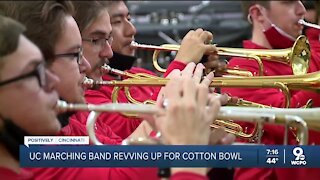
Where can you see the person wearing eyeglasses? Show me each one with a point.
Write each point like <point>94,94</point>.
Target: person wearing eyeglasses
<point>69,36</point>
<point>63,53</point>
<point>94,24</point>
<point>98,37</point>
<point>123,32</point>
<point>28,96</point>
<point>24,79</point>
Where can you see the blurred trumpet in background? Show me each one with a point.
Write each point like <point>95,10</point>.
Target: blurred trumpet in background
<point>297,57</point>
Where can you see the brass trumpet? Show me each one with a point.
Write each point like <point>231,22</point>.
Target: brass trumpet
<point>310,81</point>
<point>289,117</point>
<point>90,83</point>
<point>232,101</point>
<point>297,57</point>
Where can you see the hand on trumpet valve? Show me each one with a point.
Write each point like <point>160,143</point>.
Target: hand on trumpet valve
<point>188,109</point>
<point>191,70</point>
<point>223,98</point>
<point>214,64</point>
<point>194,45</point>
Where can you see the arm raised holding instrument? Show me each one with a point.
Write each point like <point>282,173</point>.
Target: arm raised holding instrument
<point>193,47</point>
<point>63,52</point>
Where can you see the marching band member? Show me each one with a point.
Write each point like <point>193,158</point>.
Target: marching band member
<point>94,24</point>
<point>23,80</point>
<point>22,67</point>
<point>123,58</point>
<point>62,48</point>
<point>62,52</point>
<point>275,26</point>
<point>124,31</point>
<point>97,35</point>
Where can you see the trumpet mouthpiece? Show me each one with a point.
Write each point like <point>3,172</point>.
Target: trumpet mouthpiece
<point>133,43</point>
<point>61,106</point>
<point>303,22</point>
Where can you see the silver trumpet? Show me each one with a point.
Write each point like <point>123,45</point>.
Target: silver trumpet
<point>303,22</point>
<point>290,117</point>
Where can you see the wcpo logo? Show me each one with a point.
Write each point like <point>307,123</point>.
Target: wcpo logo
<point>300,159</point>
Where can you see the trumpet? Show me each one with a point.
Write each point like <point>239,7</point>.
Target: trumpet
<point>303,22</point>
<point>298,118</point>
<point>90,83</point>
<point>310,81</point>
<point>106,69</point>
<point>297,57</point>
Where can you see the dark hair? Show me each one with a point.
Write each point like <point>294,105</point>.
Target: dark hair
<point>309,4</point>
<point>44,21</point>
<point>313,5</point>
<point>86,12</point>
<point>108,4</point>
<point>10,32</point>
<point>247,4</point>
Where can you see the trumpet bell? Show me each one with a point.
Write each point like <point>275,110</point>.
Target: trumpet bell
<point>297,57</point>
<point>300,56</point>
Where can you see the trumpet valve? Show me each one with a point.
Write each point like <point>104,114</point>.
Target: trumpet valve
<point>228,124</point>
<point>87,83</point>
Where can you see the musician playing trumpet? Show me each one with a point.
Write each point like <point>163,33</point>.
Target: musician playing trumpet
<point>275,26</point>
<point>99,32</point>
<point>24,79</point>
<point>64,56</point>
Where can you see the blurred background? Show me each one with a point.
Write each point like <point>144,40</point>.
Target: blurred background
<point>163,22</point>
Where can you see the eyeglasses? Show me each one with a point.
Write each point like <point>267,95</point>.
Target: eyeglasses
<point>102,42</point>
<point>78,55</point>
<point>39,72</point>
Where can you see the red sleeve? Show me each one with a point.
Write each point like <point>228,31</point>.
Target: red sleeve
<point>11,175</point>
<point>95,173</point>
<point>313,34</point>
<point>187,176</point>
<point>175,64</point>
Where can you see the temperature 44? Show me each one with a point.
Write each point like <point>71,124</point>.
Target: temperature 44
<point>272,160</point>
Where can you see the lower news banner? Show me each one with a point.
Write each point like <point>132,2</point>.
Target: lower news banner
<point>169,156</point>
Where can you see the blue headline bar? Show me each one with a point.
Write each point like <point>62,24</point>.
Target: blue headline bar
<point>170,156</point>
